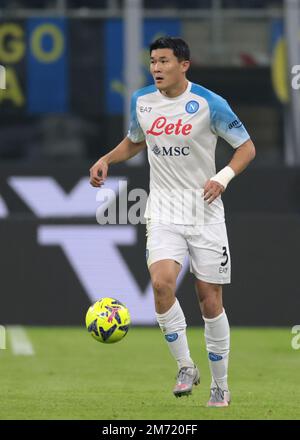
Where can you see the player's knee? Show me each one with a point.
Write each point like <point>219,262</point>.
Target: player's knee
<point>211,306</point>
<point>162,285</point>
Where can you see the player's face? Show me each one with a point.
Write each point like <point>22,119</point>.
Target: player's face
<point>166,69</point>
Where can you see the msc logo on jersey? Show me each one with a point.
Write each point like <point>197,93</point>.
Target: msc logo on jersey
<point>156,150</point>
<point>192,107</point>
<point>235,124</point>
<point>171,151</point>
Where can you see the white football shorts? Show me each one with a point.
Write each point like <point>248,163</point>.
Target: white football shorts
<point>206,245</point>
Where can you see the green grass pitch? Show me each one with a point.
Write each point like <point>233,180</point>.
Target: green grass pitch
<point>72,376</point>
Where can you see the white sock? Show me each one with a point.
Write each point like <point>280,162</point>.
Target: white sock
<point>173,326</point>
<point>217,336</point>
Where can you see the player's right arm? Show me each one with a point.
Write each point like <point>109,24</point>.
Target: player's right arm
<point>131,145</point>
<point>124,151</point>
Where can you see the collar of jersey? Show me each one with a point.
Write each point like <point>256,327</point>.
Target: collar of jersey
<point>177,98</point>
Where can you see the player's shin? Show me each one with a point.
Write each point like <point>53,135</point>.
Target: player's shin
<point>217,336</point>
<point>173,326</point>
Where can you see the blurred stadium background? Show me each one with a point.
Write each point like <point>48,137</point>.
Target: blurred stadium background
<point>70,67</point>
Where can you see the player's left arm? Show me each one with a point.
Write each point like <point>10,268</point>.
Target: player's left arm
<point>242,157</point>
<point>225,123</point>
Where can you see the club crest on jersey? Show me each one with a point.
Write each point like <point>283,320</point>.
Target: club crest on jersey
<point>192,107</point>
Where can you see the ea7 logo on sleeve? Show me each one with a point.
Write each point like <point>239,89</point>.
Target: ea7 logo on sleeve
<point>160,126</point>
<point>235,124</point>
<point>145,109</point>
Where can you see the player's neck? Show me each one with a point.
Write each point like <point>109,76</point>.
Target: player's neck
<point>176,90</point>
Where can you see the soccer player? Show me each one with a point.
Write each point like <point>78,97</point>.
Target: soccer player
<point>179,123</point>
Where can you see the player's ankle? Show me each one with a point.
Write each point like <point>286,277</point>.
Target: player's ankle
<point>185,363</point>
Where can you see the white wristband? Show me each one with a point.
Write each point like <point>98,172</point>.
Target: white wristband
<point>224,176</point>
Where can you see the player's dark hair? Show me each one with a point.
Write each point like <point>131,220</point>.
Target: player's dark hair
<point>180,48</point>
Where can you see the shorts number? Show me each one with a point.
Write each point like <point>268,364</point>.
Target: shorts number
<point>224,255</point>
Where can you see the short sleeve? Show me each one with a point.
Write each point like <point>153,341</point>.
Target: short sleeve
<point>225,123</point>
<point>135,133</point>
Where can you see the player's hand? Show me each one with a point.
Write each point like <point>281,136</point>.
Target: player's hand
<point>212,190</point>
<point>98,173</point>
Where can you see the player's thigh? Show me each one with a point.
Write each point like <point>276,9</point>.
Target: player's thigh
<point>209,254</point>
<point>165,242</point>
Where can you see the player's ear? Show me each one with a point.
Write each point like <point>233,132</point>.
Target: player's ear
<point>185,65</point>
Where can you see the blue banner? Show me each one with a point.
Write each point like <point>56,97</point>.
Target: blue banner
<point>47,75</point>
